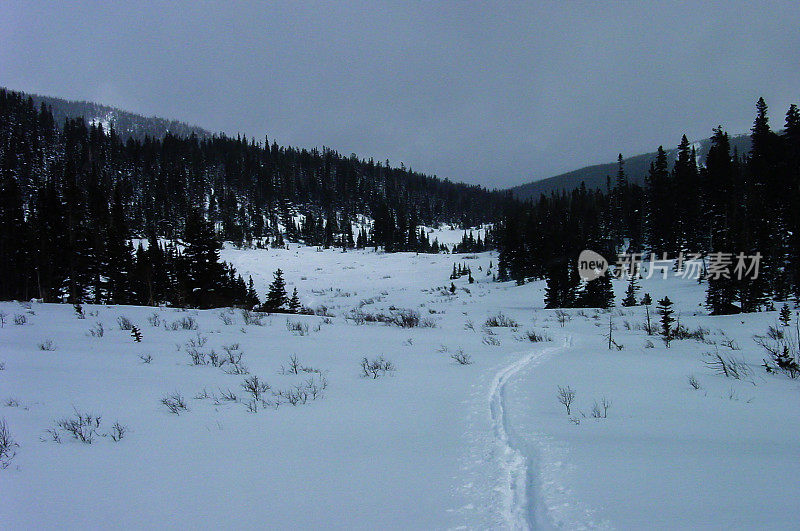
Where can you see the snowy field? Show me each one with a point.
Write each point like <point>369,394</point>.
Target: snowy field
<point>432,444</point>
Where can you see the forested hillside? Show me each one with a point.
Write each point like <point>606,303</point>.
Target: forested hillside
<point>75,194</point>
<point>737,204</point>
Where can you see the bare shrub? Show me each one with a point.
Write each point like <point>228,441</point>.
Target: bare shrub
<point>534,337</point>
<point>11,402</point>
<point>146,358</point>
<point>730,343</point>
<point>154,319</point>
<point>562,317</point>
<point>693,383</point>
<point>255,387</point>
<point>8,445</point>
<point>376,368</point>
<point>461,357</point>
<point>727,366</point>
<point>566,395</point>
<point>124,323</point>
<point>648,344</point>
<point>228,395</point>
<point>216,360</point>
<point>20,319</point>
<point>82,427</point>
<point>47,345</point>
<point>118,432</point>
<point>175,403</point>
<point>500,320</point>
<point>406,319</point>
<point>186,323</point>
<point>297,327</point>
<point>600,411</point>
<point>294,365</point>
<point>698,334</point>
<point>491,340</point>
<point>98,330</point>
<point>252,318</point>
<point>226,318</point>
<point>197,356</point>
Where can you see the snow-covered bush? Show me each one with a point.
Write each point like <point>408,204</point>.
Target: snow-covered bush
<point>20,319</point>
<point>124,323</point>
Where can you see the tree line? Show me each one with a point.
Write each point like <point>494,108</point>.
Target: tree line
<point>74,197</point>
<point>735,203</point>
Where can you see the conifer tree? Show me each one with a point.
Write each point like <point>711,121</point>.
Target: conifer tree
<point>276,297</point>
<point>665,310</point>
<point>630,292</point>
<point>294,302</point>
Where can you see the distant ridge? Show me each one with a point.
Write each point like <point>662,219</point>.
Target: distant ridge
<point>594,177</point>
<point>126,124</point>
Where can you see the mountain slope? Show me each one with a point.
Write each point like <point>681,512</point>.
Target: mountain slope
<point>126,124</point>
<point>594,176</point>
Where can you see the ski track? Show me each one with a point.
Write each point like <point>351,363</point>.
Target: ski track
<point>514,464</point>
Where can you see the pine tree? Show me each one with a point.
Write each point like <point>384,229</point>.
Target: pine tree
<point>294,302</point>
<point>665,310</point>
<point>252,296</point>
<point>630,292</point>
<point>204,279</point>
<point>785,316</point>
<point>276,297</point>
<point>597,293</point>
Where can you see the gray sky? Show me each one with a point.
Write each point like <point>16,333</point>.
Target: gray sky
<point>492,93</point>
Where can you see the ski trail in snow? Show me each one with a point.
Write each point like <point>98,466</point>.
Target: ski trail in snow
<point>514,464</point>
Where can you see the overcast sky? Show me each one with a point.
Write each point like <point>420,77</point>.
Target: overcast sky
<point>491,93</point>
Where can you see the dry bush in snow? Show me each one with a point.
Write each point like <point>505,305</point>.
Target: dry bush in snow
<point>8,445</point>
<point>376,368</point>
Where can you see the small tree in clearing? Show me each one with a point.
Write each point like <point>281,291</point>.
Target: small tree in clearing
<point>665,311</point>
<point>136,334</point>
<point>566,395</point>
<point>294,302</point>
<point>785,316</point>
<point>276,298</point>
<point>630,292</point>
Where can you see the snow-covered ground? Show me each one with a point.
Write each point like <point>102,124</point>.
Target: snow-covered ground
<point>431,445</point>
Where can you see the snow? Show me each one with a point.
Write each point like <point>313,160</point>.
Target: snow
<point>433,445</point>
